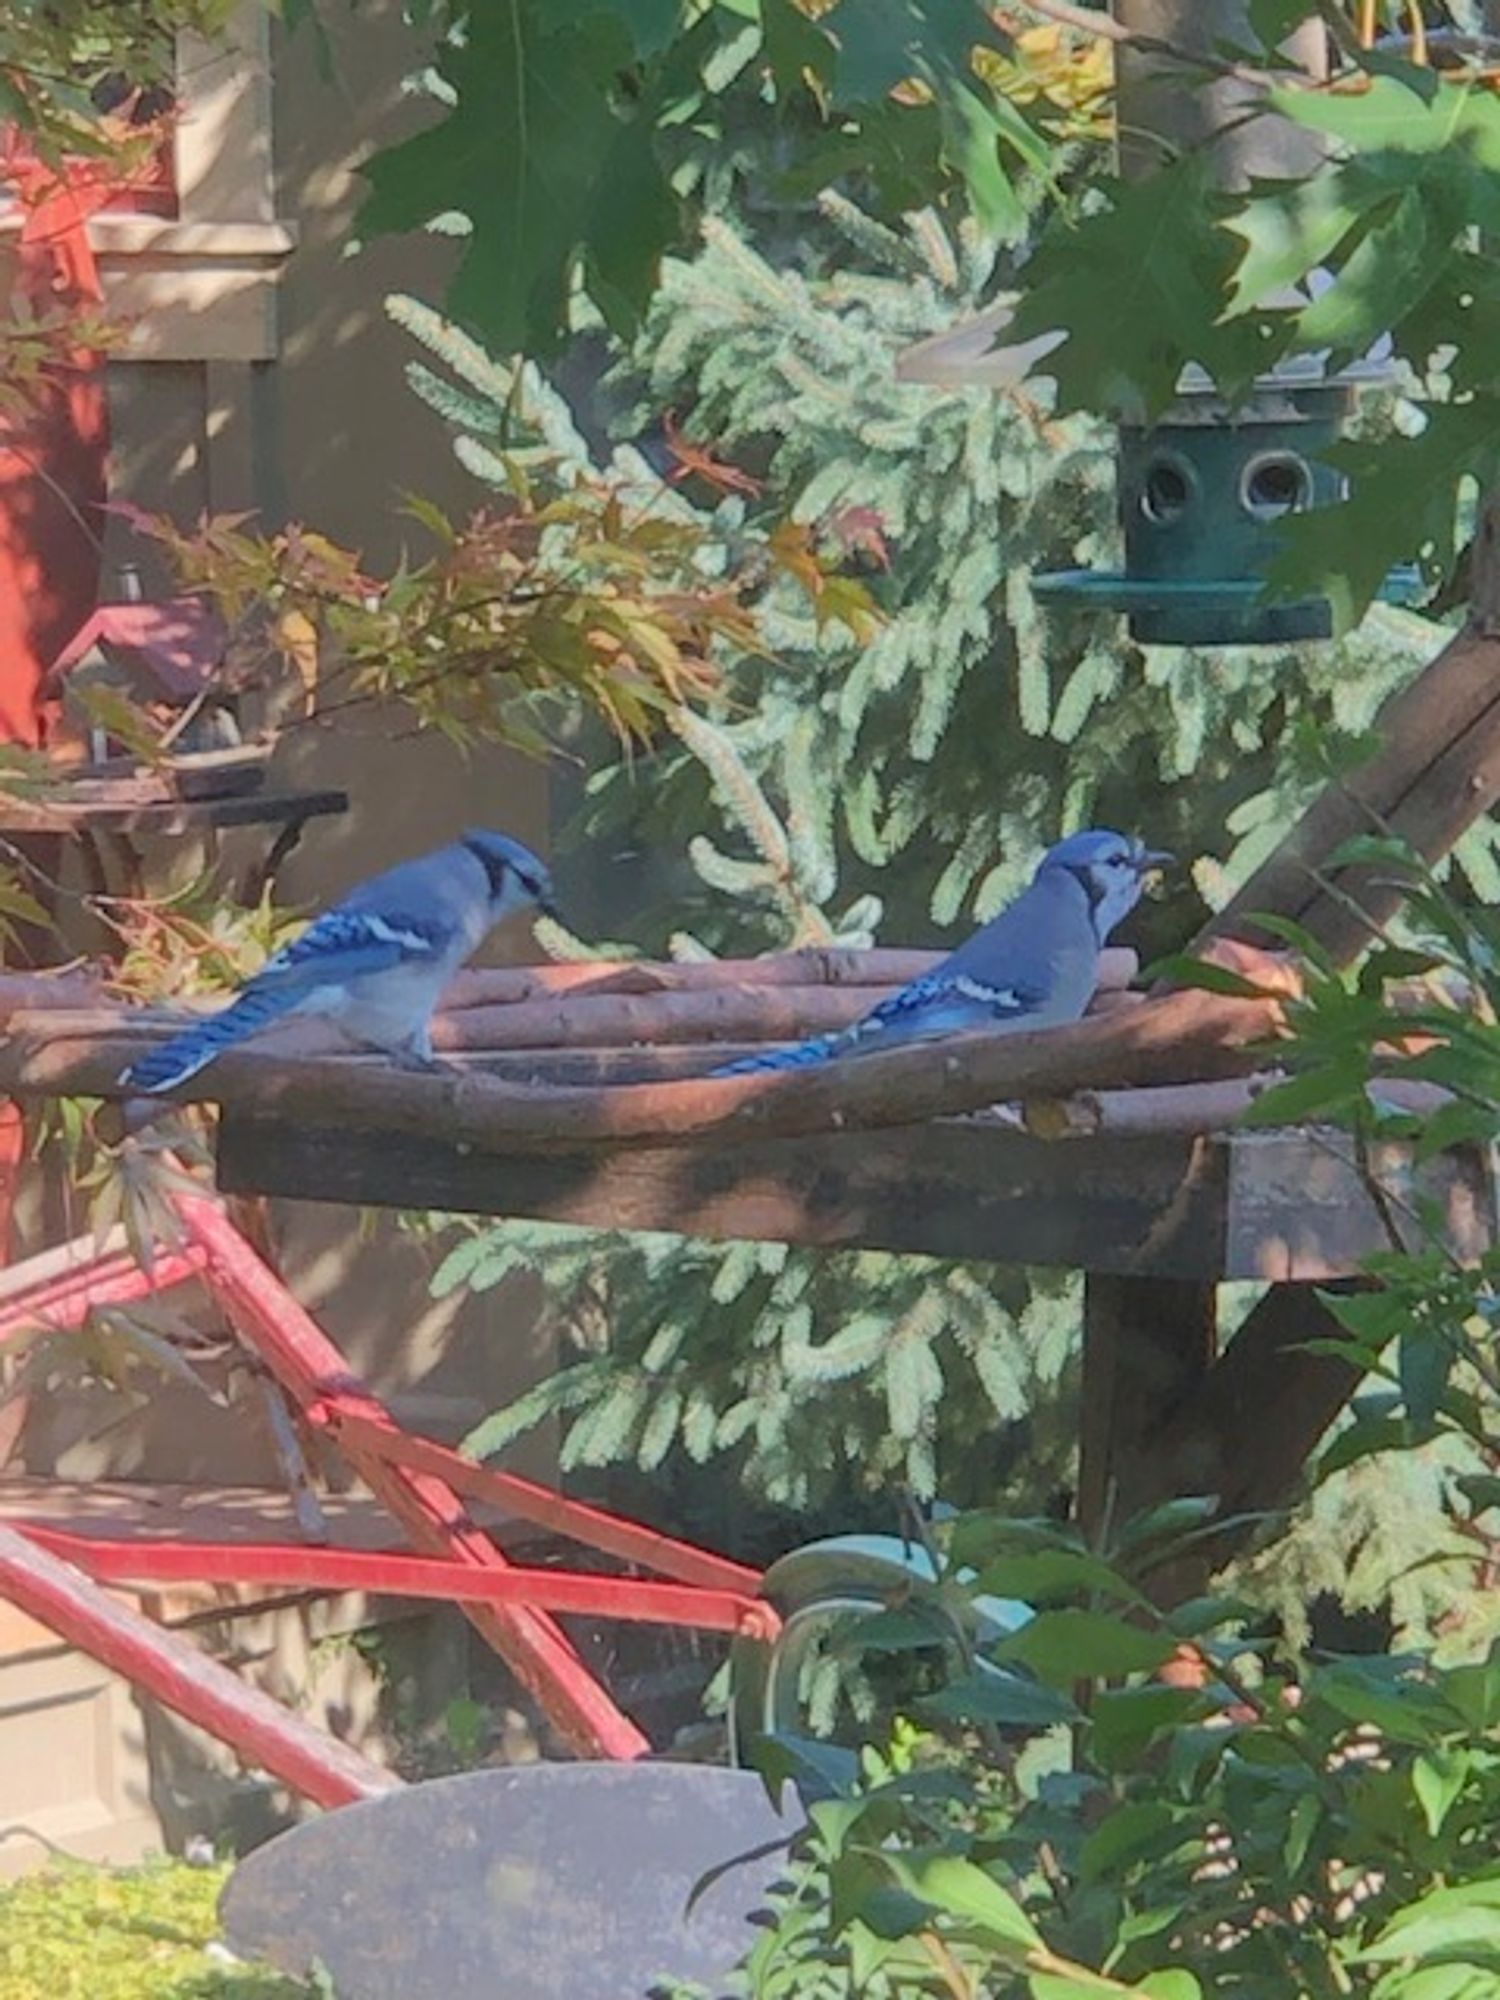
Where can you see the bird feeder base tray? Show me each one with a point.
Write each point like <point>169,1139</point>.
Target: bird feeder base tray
<point>1204,611</point>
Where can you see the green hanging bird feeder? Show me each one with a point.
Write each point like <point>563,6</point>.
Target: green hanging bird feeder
<point>1203,494</point>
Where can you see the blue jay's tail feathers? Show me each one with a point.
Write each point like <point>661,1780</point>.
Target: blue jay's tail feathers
<point>804,1055</point>
<point>174,1062</point>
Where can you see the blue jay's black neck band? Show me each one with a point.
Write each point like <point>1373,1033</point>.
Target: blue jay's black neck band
<point>496,868</point>
<point>1090,885</point>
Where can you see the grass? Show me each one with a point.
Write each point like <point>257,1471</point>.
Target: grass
<point>80,1933</point>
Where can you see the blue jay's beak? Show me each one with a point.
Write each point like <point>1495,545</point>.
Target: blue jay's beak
<point>1151,860</point>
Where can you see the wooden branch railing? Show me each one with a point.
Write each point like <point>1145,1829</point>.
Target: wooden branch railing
<point>1181,1037</point>
<point>780,998</point>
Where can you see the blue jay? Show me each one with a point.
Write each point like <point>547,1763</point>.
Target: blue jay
<point>375,963</point>
<point>1033,966</point>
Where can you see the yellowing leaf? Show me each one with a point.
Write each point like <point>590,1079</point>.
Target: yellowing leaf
<point>297,637</point>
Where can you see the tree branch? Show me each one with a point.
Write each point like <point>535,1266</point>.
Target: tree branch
<point>1104,27</point>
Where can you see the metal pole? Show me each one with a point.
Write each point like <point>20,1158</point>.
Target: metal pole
<point>172,1669</point>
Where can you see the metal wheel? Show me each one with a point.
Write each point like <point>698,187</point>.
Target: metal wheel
<point>818,1590</point>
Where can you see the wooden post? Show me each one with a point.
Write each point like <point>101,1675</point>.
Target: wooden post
<point>1163,1418</point>
<point>1437,772</point>
<point>1148,1345</point>
<point>1263,1407</point>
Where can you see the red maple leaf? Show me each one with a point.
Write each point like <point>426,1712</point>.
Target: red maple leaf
<point>696,459</point>
<point>860,529</point>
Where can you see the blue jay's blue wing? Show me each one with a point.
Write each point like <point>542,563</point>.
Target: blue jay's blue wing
<point>945,1003</point>
<point>939,1003</point>
<point>343,945</point>
<point>340,946</point>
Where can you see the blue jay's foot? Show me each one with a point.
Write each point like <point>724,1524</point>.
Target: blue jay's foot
<point>414,1059</point>
<point>405,1055</point>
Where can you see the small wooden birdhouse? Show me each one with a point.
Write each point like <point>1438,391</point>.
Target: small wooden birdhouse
<point>163,660</point>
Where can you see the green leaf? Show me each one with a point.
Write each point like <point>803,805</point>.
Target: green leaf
<point>1182,969</point>
<point>795,46</point>
<point>1480,1489</point>
<point>1399,259</point>
<point>1297,936</point>
<point>1437,1778</point>
<point>971,143</point>
<point>976,1539</point>
<point>552,165</point>
<point>908,1628</point>
<point>1124,1722</point>
<point>964,1890</point>
<point>1168,1519</point>
<point>1366,1437</point>
<point>1288,232</point>
<point>1274,20</point>
<point>1374,850</point>
<point>1173,1984</point>
<point>650,24</point>
<point>1403,506</point>
<point>1158,256</point>
<point>1008,1700</point>
<point>1405,113</point>
<point>1333,1086</point>
<point>1035,1576</point>
<point>1424,1361</point>
<point>1473,1691</point>
<point>815,1770</point>
<point>1198,1615</point>
<point>1301,1827</point>
<point>1452,1921</point>
<point>1144,1827</point>
<point>1064,1646</point>
<point>1404,1709</point>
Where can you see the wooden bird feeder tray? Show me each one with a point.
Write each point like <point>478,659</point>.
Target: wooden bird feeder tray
<point>578,1094</point>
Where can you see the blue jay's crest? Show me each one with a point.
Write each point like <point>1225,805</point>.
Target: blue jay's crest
<point>512,869</point>
<point>1097,846</point>
<point>1110,868</point>
<point>1033,966</point>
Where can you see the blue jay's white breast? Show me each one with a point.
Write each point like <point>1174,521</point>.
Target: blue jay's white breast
<point>387,1007</point>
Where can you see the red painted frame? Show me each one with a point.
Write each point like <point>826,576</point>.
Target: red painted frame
<point>424,1485</point>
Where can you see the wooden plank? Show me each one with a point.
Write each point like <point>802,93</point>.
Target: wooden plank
<point>170,816</point>
<point>962,1189</point>
<point>1201,1208</point>
<point>168,1666</point>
